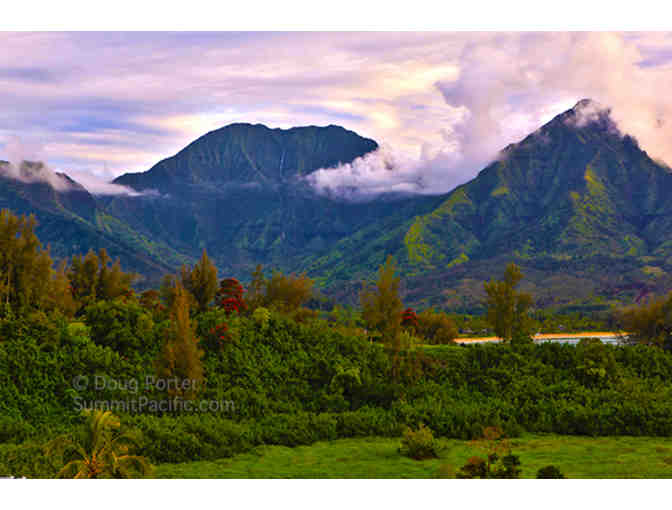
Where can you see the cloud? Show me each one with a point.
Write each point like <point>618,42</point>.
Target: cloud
<point>444,104</point>
<point>509,84</point>
<point>25,164</point>
<point>31,172</point>
<point>96,185</point>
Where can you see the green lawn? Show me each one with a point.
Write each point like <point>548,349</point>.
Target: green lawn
<point>577,457</point>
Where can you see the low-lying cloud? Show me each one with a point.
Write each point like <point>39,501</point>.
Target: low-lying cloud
<point>25,164</point>
<point>442,105</point>
<point>507,87</point>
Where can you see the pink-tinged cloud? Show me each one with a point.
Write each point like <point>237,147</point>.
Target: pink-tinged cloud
<point>441,104</point>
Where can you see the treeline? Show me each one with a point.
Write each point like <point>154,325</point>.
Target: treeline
<point>293,374</point>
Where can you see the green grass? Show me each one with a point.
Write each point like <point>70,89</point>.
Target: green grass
<point>576,456</point>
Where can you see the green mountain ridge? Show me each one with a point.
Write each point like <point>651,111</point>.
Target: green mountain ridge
<point>568,196</point>
<point>577,204</point>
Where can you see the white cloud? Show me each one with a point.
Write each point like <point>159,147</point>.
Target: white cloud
<point>445,103</point>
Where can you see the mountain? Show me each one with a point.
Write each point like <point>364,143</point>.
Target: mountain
<point>240,193</point>
<point>70,220</point>
<point>579,205</point>
<point>239,155</point>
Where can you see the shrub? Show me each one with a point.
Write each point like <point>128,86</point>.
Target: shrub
<point>549,472</point>
<point>436,327</point>
<point>475,467</point>
<point>419,444</point>
<point>126,327</point>
<point>445,471</point>
<point>261,316</point>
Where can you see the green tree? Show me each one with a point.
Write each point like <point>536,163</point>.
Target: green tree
<point>381,305</point>
<point>508,309</point>
<point>256,291</point>
<point>27,279</point>
<point>126,327</point>
<point>92,278</point>
<point>287,293</point>
<point>436,327</point>
<point>649,323</point>
<point>499,462</point>
<point>99,451</point>
<point>201,281</point>
<point>180,355</point>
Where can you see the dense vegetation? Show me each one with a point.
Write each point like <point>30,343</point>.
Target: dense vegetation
<point>580,208</point>
<point>264,370</point>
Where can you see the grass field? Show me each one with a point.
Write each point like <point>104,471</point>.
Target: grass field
<point>577,457</point>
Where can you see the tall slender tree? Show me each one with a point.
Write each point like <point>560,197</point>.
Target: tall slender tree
<point>508,309</point>
<point>180,356</point>
<point>382,308</point>
<point>201,281</point>
<point>25,266</point>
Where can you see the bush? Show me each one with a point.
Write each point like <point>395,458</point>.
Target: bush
<point>126,327</point>
<point>419,444</point>
<point>549,472</point>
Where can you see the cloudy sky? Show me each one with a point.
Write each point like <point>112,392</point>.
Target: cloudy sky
<point>440,104</point>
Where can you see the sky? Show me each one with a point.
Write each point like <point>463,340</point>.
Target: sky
<point>440,104</point>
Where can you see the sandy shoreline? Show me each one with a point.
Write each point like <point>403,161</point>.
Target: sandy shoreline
<point>549,336</point>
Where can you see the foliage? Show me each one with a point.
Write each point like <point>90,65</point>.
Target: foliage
<point>256,289</point>
<point>230,296</point>
<point>596,363</point>
<point>92,278</point>
<point>436,327</point>
<point>125,326</point>
<point>649,323</point>
<point>419,444</point>
<point>409,320</point>
<point>381,306</point>
<point>261,316</point>
<point>100,450</point>
<point>287,293</point>
<point>27,280</point>
<point>499,462</point>
<point>200,281</point>
<point>151,301</point>
<point>549,472</point>
<point>180,356</point>
<point>508,308</point>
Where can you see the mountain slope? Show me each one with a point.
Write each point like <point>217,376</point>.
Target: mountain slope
<point>573,192</point>
<point>70,220</point>
<point>240,154</point>
<point>239,192</point>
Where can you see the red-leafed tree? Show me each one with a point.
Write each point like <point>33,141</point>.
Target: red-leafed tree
<point>409,320</point>
<point>230,296</point>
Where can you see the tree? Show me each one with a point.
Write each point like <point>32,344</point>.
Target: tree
<point>650,323</point>
<point>287,293</point>
<point>180,356</point>
<point>381,306</point>
<point>230,296</point>
<point>126,327</point>
<point>151,300</point>
<point>256,290</point>
<point>550,472</point>
<point>92,279</point>
<point>201,281</point>
<point>508,309</point>
<point>499,462</point>
<point>27,279</point>
<point>100,451</point>
<point>409,320</point>
<point>436,327</point>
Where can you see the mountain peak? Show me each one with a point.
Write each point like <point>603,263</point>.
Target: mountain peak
<point>587,103</point>
<point>242,154</point>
